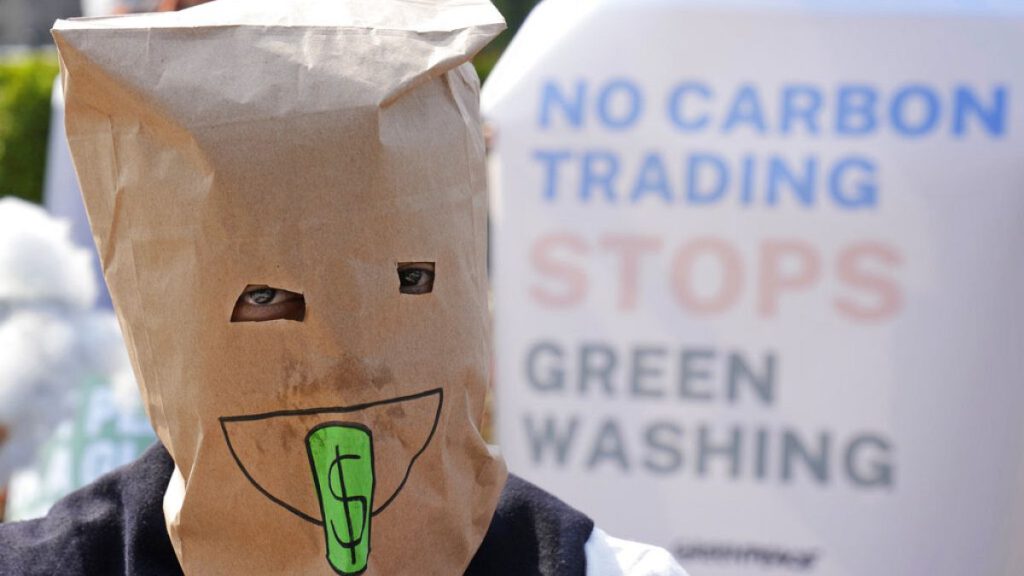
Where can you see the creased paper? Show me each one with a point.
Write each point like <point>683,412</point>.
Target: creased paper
<point>312,146</point>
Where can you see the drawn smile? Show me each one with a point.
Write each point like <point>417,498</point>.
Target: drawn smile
<point>272,448</point>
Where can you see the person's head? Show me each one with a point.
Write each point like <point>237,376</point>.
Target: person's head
<point>289,199</point>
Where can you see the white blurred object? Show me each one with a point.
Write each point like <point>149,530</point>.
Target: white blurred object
<point>107,7</point>
<point>51,338</point>
<point>92,8</point>
<point>38,262</point>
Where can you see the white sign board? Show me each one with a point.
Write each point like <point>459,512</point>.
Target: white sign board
<point>758,274</point>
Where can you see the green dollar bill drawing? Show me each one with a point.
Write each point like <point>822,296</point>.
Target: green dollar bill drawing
<point>341,457</point>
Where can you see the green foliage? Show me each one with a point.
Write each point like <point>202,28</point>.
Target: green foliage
<point>515,12</point>
<point>25,85</point>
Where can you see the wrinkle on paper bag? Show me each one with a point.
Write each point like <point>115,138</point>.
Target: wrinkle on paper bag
<point>309,146</point>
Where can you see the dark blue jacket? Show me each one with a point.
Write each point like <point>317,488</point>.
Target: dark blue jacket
<point>116,526</point>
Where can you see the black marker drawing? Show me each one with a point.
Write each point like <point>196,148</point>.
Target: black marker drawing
<point>227,421</point>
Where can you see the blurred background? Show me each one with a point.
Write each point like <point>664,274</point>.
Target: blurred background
<point>756,268</point>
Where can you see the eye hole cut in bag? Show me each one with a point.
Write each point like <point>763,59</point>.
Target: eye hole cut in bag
<point>261,303</point>
<point>415,277</point>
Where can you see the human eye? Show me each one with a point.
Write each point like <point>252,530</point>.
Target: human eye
<point>259,303</point>
<point>416,277</point>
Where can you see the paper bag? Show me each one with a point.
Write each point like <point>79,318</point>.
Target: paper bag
<point>330,152</point>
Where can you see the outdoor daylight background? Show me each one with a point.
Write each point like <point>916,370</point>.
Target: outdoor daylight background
<point>755,272</point>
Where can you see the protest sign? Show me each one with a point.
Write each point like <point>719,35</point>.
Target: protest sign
<point>103,435</point>
<point>757,279</point>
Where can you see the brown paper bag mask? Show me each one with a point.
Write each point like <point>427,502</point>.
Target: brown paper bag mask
<point>317,165</point>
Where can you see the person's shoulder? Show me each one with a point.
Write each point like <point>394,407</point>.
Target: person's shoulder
<point>534,532</point>
<point>609,556</point>
<point>112,526</point>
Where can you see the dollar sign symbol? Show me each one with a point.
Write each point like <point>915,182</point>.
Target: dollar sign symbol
<point>341,459</point>
<point>353,519</point>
